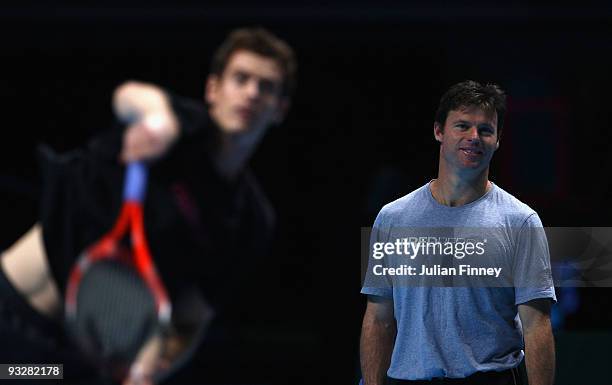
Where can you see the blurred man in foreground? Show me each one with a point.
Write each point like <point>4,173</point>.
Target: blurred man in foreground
<point>204,212</point>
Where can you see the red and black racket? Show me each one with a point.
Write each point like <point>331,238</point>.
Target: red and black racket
<point>115,299</point>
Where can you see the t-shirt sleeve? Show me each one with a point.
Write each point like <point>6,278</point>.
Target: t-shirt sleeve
<point>532,275</point>
<point>375,284</point>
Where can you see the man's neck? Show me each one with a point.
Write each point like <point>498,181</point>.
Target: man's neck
<point>454,189</point>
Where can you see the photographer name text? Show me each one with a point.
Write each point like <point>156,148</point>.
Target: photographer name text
<point>438,270</point>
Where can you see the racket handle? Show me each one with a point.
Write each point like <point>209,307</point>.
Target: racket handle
<point>135,182</point>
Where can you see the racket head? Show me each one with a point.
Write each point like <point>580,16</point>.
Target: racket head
<point>112,313</point>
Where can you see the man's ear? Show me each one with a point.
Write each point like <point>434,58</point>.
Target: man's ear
<point>438,132</point>
<point>211,89</point>
<point>281,111</point>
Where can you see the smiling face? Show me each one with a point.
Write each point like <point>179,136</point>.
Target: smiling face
<point>247,97</point>
<point>469,138</point>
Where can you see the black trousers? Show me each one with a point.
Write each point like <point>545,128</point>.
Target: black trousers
<point>507,377</point>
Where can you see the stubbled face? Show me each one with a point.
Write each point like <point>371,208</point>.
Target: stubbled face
<point>468,139</point>
<point>246,98</point>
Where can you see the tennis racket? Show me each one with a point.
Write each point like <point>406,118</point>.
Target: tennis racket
<point>115,299</point>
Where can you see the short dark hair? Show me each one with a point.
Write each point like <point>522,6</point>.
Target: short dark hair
<point>490,98</point>
<point>262,42</point>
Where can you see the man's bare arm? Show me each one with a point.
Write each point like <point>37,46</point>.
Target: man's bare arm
<point>539,341</point>
<point>377,339</point>
<point>26,267</point>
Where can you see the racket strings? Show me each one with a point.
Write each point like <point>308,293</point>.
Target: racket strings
<point>116,311</point>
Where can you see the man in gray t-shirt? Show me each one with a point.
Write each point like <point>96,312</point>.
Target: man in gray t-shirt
<point>458,280</point>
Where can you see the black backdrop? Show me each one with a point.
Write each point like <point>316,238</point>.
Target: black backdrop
<point>359,134</point>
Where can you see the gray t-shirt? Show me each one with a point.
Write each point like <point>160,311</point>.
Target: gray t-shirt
<point>450,323</point>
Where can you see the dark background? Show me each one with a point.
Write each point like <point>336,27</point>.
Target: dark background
<point>359,135</point>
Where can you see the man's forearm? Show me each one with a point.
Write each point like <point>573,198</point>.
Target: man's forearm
<point>377,339</point>
<point>540,355</point>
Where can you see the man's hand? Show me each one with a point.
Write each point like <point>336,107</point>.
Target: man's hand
<point>192,316</point>
<point>539,341</point>
<point>146,364</point>
<point>148,138</point>
<point>377,339</point>
<point>152,125</point>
